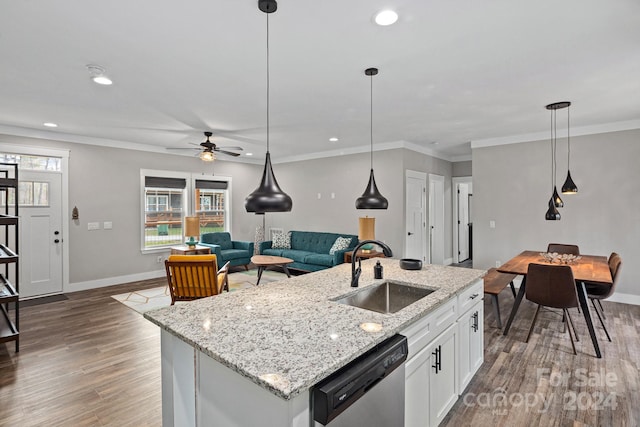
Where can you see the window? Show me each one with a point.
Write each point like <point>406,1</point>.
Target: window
<point>167,197</point>
<point>32,193</point>
<point>37,163</point>
<point>165,203</point>
<point>211,205</point>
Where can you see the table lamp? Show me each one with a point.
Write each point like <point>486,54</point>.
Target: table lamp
<point>366,231</point>
<point>191,229</point>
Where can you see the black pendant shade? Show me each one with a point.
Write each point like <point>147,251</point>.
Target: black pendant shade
<point>552,213</point>
<point>557,201</point>
<point>371,198</point>
<point>569,187</point>
<point>268,197</point>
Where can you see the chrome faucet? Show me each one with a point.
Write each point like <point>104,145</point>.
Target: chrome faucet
<point>355,272</point>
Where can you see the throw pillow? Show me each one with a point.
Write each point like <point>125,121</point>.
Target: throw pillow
<point>281,241</point>
<point>340,244</point>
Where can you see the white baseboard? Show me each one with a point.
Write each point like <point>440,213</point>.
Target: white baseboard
<point>101,283</point>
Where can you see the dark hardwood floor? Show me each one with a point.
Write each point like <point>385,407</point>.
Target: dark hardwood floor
<point>91,361</point>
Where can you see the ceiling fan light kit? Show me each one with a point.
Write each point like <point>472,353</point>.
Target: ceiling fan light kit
<point>371,198</point>
<point>268,197</point>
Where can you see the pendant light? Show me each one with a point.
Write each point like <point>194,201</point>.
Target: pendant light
<point>555,201</point>
<point>569,187</point>
<point>371,198</point>
<point>268,197</point>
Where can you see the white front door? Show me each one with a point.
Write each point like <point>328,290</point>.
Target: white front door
<point>463,222</point>
<point>415,233</point>
<point>436,219</point>
<point>40,214</point>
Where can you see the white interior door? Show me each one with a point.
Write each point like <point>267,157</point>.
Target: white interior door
<point>40,213</point>
<point>463,222</point>
<point>436,219</point>
<point>415,233</point>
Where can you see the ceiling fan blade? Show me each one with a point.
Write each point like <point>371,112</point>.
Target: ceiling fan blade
<point>229,153</point>
<point>230,148</point>
<point>182,148</point>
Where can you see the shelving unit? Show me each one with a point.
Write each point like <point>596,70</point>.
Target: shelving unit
<point>9,323</point>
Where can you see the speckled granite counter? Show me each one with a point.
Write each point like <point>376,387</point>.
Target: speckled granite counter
<point>286,336</point>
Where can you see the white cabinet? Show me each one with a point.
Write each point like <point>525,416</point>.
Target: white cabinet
<point>430,381</point>
<point>470,334</point>
<point>445,351</point>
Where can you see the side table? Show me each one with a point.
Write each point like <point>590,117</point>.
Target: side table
<point>362,255</point>
<point>190,250</point>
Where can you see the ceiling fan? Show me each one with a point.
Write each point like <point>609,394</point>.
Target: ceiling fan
<point>209,148</point>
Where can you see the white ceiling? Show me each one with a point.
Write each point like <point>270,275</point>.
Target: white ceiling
<point>451,71</point>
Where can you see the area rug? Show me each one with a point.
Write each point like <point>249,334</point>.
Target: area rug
<point>149,299</point>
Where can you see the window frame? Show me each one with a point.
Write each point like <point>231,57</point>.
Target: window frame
<point>188,200</point>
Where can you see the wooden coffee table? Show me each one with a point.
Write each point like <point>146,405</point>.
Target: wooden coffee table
<point>264,261</point>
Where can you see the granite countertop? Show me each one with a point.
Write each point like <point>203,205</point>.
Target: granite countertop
<point>288,335</point>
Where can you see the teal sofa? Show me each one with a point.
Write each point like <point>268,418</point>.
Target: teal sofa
<point>235,251</point>
<point>310,250</point>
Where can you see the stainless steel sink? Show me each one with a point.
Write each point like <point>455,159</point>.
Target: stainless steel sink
<point>386,297</point>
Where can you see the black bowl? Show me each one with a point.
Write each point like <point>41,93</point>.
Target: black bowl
<point>410,264</point>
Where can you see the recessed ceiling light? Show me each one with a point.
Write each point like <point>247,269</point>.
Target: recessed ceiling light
<point>386,17</point>
<point>50,125</point>
<point>249,154</point>
<point>98,75</point>
<point>333,139</point>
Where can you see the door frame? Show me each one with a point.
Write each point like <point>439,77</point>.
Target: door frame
<point>64,156</point>
<point>440,180</point>
<point>423,233</point>
<point>454,214</point>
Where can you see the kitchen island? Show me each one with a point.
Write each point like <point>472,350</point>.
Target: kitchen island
<point>251,356</point>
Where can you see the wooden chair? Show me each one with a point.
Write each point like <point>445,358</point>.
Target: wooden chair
<point>494,283</point>
<point>597,291</point>
<point>561,248</point>
<point>195,276</point>
<point>552,286</point>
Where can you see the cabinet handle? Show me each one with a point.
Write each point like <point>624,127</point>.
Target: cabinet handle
<point>438,354</point>
<point>474,296</point>
<point>475,325</point>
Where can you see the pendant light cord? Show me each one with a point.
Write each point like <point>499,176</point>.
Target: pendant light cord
<point>371,126</point>
<point>267,83</point>
<point>568,140</point>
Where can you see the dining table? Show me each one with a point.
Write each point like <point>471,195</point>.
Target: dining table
<point>589,268</point>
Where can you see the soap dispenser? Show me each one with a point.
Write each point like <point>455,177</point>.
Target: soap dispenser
<point>377,270</point>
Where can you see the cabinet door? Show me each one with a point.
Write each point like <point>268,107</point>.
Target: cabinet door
<point>471,344</point>
<point>430,381</point>
<point>443,388</point>
<point>416,389</point>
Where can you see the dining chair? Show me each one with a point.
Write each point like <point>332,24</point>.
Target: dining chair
<point>195,276</point>
<point>598,291</point>
<point>552,286</point>
<point>562,248</point>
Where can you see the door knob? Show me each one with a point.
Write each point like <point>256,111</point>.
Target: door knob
<point>56,241</point>
<point>409,233</point>
<point>56,232</point>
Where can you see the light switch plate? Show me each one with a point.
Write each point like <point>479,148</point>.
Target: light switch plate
<point>107,225</point>
<point>93,226</point>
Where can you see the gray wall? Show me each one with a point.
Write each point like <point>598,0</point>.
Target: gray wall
<point>104,183</point>
<point>462,168</point>
<point>512,185</point>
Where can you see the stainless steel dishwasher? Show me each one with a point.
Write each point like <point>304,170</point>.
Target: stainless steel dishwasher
<point>367,392</point>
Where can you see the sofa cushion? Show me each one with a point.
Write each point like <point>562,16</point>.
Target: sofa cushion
<point>319,259</point>
<point>229,254</point>
<point>340,244</point>
<point>317,242</point>
<point>272,252</point>
<point>295,255</point>
<point>281,241</point>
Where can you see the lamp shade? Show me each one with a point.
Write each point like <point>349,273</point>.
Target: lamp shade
<point>366,228</point>
<point>371,198</point>
<point>191,226</point>
<point>268,197</point>
<point>569,187</point>
<point>552,213</point>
